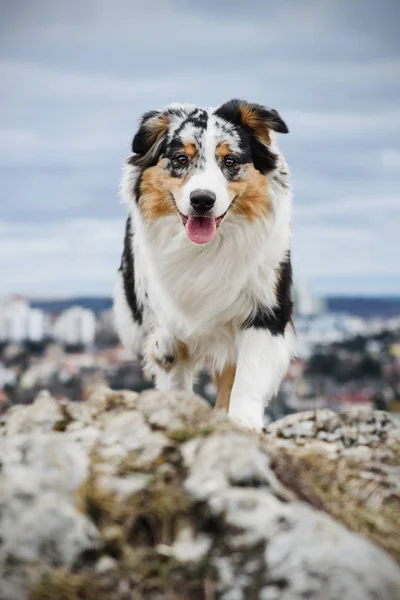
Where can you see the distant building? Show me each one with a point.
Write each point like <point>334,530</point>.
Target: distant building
<point>19,322</point>
<point>75,326</point>
<point>358,397</point>
<point>7,376</point>
<point>36,325</point>
<point>325,329</point>
<point>305,302</point>
<point>106,333</point>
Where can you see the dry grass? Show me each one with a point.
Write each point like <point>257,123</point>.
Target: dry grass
<point>131,532</point>
<point>362,497</point>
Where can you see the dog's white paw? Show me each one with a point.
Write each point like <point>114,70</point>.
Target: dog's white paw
<point>163,353</point>
<point>247,412</point>
<point>160,350</point>
<point>247,421</point>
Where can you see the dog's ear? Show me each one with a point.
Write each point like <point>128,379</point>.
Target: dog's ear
<point>254,117</point>
<point>148,142</point>
<point>257,121</point>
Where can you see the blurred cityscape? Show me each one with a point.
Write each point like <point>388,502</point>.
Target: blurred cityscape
<point>348,353</point>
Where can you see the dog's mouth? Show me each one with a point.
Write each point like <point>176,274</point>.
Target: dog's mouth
<point>200,229</point>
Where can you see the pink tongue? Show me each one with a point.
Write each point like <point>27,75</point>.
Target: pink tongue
<point>200,229</point>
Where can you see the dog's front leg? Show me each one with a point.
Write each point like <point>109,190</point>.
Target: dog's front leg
<point>263,359</point>
<point>177,378</point>
<point>169,361</point>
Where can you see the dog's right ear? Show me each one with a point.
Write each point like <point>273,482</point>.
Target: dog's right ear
<point>147,144</point>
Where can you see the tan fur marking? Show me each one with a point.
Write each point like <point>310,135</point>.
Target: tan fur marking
<point>181,351</point>
<point>157,186</point>
<point>252,119</point>
<point>180,354</point>
<point>156,128</point>
<point>251,195</point>
<point>189,149</point>
<point>222,150</point>
<point>224,382</point>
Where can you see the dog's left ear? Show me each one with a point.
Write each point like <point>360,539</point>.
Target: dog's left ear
<point>148,141</point>
<point>257,121</point>
<point>254,117</point>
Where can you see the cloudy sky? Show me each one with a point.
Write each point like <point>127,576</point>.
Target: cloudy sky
<point>75,76</point>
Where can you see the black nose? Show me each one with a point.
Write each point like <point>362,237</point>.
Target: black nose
<point>202,200</point>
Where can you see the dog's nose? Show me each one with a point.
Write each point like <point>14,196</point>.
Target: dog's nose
<point>202,200</point>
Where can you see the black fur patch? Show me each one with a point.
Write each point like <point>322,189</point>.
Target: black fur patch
<point>182,125</point>
<point>140,143</point>
<point>263,159</point>
<point>137,188</point>
<point>150,158</point>
<point>127,269</point>
<point>198,118</point>
<point>276,320</point>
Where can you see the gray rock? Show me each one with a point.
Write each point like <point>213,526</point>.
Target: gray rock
<point>228,459</point>
<point>41,415</point>
<point>39,519</point>
<point>153,495</point>
<point>311,549</point>
<point>353,427</point>
<point>305,551</point>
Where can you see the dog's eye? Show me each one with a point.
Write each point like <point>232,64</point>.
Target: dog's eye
<point>181,159</point>
<point>229,161</point>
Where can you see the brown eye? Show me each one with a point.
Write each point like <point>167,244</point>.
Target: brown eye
<point>182,159</point>
<point>229,161</point>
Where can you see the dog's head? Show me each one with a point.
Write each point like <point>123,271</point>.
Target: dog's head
<point>198,164</point>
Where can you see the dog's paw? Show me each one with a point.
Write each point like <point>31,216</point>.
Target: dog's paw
<point>247,421</point>
<point>163,353</point>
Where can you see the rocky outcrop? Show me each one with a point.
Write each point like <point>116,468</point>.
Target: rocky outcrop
<point>151,495</point>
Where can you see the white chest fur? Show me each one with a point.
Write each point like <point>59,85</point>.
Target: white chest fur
<point>195,289</point>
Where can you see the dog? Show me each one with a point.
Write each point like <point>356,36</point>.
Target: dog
<point>205,276</point>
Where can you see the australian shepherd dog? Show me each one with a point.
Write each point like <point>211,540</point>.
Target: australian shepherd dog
<point>205,277</point>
